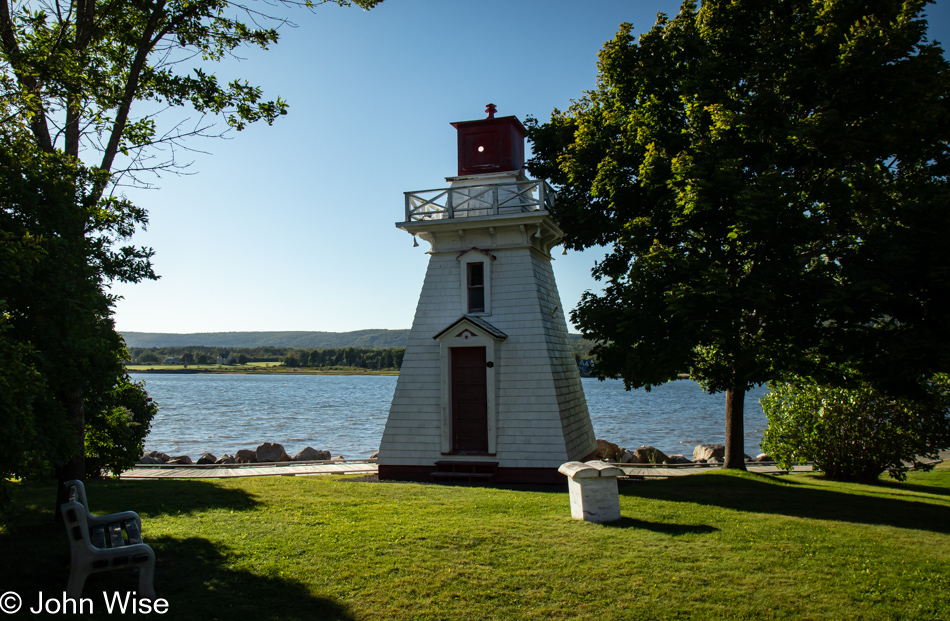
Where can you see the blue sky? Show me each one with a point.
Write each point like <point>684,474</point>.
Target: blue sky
<point>291,227</point>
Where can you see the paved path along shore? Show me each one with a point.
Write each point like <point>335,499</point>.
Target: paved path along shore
<point>369,467</point>
<point>249,470</point>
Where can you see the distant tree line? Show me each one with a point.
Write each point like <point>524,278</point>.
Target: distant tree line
<point>366,358</point>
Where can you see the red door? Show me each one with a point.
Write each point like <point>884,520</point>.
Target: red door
<point>469,400</point>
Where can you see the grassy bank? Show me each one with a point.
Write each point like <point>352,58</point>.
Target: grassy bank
<point>717,545</point>
<point>254,368</point>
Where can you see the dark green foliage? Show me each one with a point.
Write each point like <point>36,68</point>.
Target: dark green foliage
<point>58,346</point>
<point>69,77</point>
<point>855,434</point>
<point>147,358</point>
<point>115,439</point>
<point>771,179</point>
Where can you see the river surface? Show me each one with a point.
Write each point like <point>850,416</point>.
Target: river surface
<point>346,414</point>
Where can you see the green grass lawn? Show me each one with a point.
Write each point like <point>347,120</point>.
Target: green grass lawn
<point>708,546</point>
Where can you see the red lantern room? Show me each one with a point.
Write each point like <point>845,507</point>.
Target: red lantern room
<point>490,145</point>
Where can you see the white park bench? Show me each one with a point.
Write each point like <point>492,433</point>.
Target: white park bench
<point>104,543</point>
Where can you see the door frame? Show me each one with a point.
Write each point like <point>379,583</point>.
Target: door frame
<point>468,334</point>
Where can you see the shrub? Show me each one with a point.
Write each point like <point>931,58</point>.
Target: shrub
<point>115,438</point>
<point>148,358</point>
<point>855,434</point>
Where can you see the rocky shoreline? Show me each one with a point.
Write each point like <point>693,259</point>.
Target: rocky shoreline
<point>267,452</point>
<point>702,454</point>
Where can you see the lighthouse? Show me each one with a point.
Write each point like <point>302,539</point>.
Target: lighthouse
<point>488,389</point>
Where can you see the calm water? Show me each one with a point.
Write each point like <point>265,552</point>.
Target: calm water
<point>346,414</point>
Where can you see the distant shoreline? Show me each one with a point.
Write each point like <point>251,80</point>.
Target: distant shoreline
<point>255,370</point>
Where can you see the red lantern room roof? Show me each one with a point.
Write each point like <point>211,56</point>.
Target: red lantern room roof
<point>490,145</point>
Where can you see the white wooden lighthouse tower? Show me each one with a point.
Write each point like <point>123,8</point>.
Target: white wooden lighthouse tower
<point>488,388</point>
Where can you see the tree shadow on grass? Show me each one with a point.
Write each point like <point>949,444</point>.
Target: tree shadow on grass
<point>663,528</point>
<point>194,575</point>
<point>165,497</point>
<point>34,550</point>
<point>198,580</point>
<point>912,487</point>
<point>763,494</point>
<point>147,498</point>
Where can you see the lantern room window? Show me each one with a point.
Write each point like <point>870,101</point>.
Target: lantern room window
<point>476,287</point>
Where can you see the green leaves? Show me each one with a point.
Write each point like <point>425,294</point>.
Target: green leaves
<point>855,434</point>
<point>757,168</point>
<point>771,179</point>
<point>69,80</point>
<point>73,77</point>
<point>115,439</point>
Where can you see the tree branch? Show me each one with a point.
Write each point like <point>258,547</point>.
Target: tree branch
<point>37,114</point>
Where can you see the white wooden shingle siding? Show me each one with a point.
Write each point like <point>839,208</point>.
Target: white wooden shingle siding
<point>542,416</point>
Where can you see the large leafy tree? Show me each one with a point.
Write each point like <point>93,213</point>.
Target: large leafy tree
<point>85,91</point>
<point>770,178</point>
<point>55,316</point>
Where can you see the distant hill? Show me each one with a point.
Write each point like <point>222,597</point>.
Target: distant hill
<point>308,340</point>
<point>303,340</point>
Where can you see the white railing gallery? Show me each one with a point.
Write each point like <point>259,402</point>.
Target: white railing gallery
<point>478,200</point>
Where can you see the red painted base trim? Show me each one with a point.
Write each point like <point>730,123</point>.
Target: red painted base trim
<point>547,476</point>
<point>405,473</point>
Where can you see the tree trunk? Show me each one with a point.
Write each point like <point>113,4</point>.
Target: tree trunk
<point>735,429</point>
<point>75,468</point>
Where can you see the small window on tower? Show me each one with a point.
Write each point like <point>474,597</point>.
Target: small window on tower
<point>476,287</point>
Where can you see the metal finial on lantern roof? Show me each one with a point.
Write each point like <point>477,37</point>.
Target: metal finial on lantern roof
<point>490,110</point>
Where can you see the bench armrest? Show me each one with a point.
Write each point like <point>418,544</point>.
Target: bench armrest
<point>122,516</point>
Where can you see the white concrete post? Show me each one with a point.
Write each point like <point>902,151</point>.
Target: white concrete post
<point>593,490</point>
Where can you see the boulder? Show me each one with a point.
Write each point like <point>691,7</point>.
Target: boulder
<point>150,460</point>
<point>226,459</point>
<point>245,456</point>
<point>627,457</point>
<point>206,458</point>
<point>180,460</point>
<point>158,455</point>
<point>649,455</point>
<point>705,451</point>
<point>272,452</point>
<point>338,458</point>
<point>678,459</point>
<point>312,454</point>
<point>714,460</point>
<point>608,451</point>
<point>374,455</point>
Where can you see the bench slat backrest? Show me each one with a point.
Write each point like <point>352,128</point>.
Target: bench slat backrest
<point>132,530</point>
<point>98,535</point>
<point>116,540</point>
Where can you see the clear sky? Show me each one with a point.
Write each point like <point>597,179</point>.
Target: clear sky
<point>291,227</point>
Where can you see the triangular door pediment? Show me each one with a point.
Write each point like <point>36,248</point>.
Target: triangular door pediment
<point>465,328</point>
